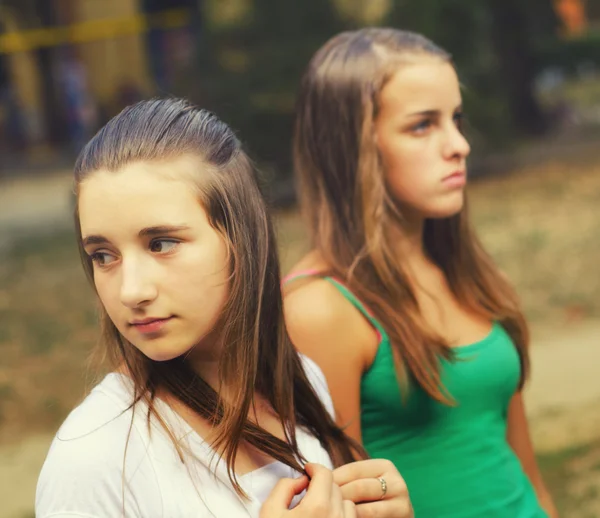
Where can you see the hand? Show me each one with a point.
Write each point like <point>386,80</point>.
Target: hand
<point>361,483</point>
<point>323,498</point>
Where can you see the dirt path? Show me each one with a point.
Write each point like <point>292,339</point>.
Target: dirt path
<point>28,203</point>
<point>563,399</point>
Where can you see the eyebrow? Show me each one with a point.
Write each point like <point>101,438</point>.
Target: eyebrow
<point>93,240</point>
<point>432,113</point>
<point>162,229</point>
<point>145,232</point>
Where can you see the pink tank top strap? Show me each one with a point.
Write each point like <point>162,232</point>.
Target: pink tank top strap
<point>301,274</point>
<point>346,293</point>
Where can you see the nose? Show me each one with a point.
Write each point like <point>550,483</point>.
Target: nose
<point>137,288</point>
<point>456,145</point>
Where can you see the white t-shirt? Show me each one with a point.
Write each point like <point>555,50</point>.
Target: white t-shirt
<point>98,468</point>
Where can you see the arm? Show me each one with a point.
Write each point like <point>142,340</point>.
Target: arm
<point>520,441</point>
<point>324,326</point>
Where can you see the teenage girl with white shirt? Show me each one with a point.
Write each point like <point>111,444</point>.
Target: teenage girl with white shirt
<point>207,409</point>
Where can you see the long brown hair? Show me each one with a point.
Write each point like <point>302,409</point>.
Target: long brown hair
<point>348,208</point>
<point>258,356</point>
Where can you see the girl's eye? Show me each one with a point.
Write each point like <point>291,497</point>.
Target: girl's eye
<point>459,120</point>
<point>102,258</point>
<point>422,126</point>
<point>161,246</point>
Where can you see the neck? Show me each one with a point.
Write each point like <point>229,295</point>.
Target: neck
<point>208,370</point>
<point>204,359</point>
<point>407,238</point>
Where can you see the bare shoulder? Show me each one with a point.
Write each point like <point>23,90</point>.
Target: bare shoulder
<point>312,302</point>
<point>318,315</point>
<point>316,302</point>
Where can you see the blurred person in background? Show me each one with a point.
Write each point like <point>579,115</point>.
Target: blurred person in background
<point>208,410</point>
<point>12,134</point>
<point>79,103</point>
<point>421,338</point>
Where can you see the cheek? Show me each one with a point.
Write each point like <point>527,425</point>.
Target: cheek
<point>108,294</point>
<point>406,164</point>
<point>204,279</point>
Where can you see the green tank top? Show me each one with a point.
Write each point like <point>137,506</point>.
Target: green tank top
<point>455,460</point>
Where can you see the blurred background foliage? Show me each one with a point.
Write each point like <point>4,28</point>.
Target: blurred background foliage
<point>250,59</point>
<point>243,59</point>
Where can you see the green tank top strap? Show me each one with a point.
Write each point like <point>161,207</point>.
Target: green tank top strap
<point>346,293</point>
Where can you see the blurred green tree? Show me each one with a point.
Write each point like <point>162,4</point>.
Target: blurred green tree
<point>250,58</point>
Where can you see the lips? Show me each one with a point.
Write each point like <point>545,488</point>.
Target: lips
<point>150,325</point>
<point>456,179</point>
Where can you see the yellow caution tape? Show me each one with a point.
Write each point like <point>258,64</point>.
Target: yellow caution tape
<point>92,30</point>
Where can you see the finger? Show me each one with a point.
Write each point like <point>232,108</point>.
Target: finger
<point>336,502</point>
<point>349,509</point>
<point>320,485</point>
<point>363,490</point>
<point>385,509</point>
<point>313,469</point>
<point>282,495</point>
<point>371,468</point>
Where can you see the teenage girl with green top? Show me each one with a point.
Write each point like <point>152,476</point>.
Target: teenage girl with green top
<point>420,336</point>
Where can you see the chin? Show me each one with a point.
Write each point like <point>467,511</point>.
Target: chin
<point>161,356</point>
<point>157,355</point>
<point>441,207</point>
<point>161,352</point>
<point>444,213</point>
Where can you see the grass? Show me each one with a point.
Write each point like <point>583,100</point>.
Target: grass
<point>47,333</point>
<point>543,228</point>
<point>573,478</point>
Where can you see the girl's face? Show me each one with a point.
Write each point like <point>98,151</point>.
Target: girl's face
<point>160,269</point>
<point>418,135</point>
